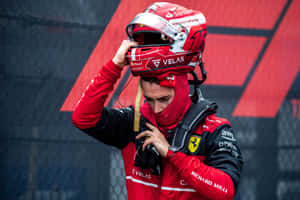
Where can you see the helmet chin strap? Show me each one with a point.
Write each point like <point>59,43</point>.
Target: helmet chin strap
<point>203,72</point>
<point>197,96</point>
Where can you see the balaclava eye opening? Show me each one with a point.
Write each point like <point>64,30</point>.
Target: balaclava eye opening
<point>169,118</point>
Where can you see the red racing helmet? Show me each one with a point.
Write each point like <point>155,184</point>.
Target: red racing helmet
<point>171,39</point>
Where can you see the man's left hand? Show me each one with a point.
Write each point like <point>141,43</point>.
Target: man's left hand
<point>156,138</point>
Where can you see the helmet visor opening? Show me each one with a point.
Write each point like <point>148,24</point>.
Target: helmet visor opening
<point>151,38</point>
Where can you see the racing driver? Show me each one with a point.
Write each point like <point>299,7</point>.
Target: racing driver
<point>209,162</point>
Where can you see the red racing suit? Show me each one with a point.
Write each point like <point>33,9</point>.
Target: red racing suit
<point>211,171</point>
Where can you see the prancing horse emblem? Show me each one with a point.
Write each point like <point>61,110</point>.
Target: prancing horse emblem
<point>194,143</point>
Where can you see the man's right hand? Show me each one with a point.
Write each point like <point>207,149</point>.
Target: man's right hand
<point>120,57</point>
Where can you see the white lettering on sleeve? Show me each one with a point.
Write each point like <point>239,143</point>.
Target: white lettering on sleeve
<point>209,182</point>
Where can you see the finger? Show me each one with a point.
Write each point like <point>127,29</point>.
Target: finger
<point>144,134</point>
<point>130,43</point>
<point>126,44</point>
<point>152,127</point>
<point>133,43</point>
<point>147,142</point>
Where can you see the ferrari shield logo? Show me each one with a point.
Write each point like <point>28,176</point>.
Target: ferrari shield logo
<point>194,143</point>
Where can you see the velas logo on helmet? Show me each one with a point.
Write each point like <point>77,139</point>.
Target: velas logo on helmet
<point>174,61</point>
<point>170,37</point>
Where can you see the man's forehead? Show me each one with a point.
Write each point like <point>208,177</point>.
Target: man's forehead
<point>153,86</point>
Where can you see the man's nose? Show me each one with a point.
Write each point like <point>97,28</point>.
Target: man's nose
<point>157,107</point>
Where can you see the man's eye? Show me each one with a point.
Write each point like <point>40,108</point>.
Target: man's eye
<point>148,99</point>
<point>164,99</point>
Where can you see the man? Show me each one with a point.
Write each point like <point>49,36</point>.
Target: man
<point>208,165</point>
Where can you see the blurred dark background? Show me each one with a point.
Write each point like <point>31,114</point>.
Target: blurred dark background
<point>45,45</point>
